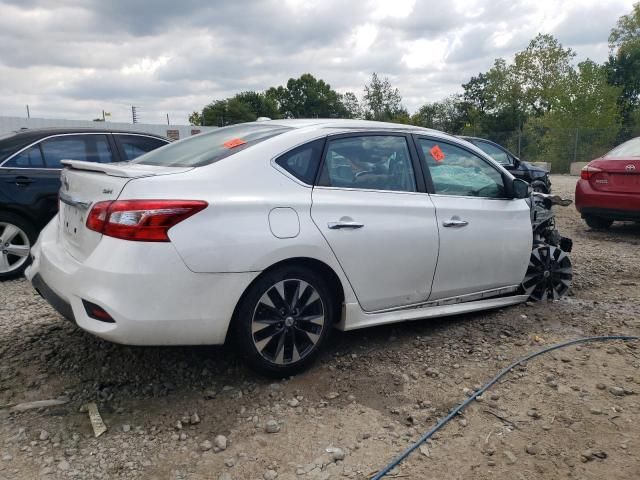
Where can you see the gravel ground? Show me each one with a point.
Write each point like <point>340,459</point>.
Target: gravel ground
<point>197,413</point>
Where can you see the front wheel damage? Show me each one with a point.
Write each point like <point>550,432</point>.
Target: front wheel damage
<point>549,274</point>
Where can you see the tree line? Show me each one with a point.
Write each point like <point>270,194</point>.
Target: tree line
<point>541,105</point>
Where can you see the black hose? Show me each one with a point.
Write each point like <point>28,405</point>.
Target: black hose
<point>395,462</point>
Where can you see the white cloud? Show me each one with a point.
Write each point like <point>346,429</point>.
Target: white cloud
<point>145,66</point>
<point>392,8</point>
<point>426,54</point>
<point>364,36</point>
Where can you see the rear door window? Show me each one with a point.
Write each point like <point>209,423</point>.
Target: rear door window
<point>135,145</point>
<point>371,162</point>
<point>87,148</point>
<point>29,158</point>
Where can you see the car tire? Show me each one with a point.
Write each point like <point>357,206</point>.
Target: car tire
<point>283,320</point>
<point>598,223</point>
<point>15,232</point>
<point>549,274</point>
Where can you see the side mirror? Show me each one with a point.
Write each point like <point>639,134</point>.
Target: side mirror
<point>516,162</point>
<point>520,188</point>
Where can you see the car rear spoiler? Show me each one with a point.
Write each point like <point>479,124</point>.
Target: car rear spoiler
<point>123,169</point>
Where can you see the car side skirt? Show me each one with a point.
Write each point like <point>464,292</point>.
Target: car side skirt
<point>353,317</point>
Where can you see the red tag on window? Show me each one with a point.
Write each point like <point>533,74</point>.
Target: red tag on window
<point>234,142</point>
<point>437,153</point>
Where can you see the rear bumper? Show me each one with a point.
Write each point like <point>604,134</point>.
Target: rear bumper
<point>145,287</point>
<point>616,206</point>
<point>57,302</point>
<point>609,213</point>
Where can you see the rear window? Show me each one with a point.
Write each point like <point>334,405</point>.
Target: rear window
<point>207,148</point>
<point>626,150</point>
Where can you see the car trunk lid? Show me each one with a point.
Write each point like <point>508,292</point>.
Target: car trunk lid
<point>616,175</point>
<point>83,185</point>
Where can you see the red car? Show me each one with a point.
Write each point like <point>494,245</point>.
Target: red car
<point>609,187</point>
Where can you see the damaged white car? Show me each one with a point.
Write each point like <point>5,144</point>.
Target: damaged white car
<point>270,234</point>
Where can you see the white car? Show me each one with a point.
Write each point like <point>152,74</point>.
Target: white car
<point>272,233</point>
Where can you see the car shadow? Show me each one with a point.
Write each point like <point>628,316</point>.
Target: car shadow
<point>618,232</point>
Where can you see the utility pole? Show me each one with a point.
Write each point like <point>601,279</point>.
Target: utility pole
<point>134,114</point>
<point>103,115</point>
<point>575,147</point>
<point>519,140</point>
<point>168,123</point>
<point>28,114</point>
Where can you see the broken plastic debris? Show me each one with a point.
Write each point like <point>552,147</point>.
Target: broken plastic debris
<point>96,420</point>
<point>23,407</point>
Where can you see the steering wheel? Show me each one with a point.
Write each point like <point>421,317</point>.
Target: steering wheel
<point>364,172</point>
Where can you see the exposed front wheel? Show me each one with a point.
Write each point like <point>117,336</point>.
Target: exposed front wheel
<point>16,238</point>
<point>284,319</point>
<point>598,223</point>
<point>549,274</point>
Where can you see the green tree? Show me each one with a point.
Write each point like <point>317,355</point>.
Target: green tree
<point>307,97</point>
<point>447,115</point>
<point>624,68</point>
<point>195,118</point>
<point>242,107</point>
<point>259,103</point>
<point>585,120</point>
<point>493,103</point>
<point>227,112</point>
<point>351,105</point>
<point>540,70</point>
<point>627,29</point>
<point>381,100</point>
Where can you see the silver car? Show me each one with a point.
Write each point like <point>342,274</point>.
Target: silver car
<point>270,234</point>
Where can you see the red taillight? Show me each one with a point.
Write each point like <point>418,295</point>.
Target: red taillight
<point>588,172</point>
<point>141,220</point>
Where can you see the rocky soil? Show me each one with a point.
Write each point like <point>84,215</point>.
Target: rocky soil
<point>198,413</point>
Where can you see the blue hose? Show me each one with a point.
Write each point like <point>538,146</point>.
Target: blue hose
<point>396,461</point>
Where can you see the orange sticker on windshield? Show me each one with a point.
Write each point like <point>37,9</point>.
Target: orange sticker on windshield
<point>233,143</point>
<point>437,153</point>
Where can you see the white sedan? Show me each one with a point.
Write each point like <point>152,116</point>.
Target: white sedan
<point>272,233</point>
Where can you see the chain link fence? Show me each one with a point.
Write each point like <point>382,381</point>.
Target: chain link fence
<point>559,147</point>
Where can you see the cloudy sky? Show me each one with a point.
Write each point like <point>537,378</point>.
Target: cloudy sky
<point>74,58</point>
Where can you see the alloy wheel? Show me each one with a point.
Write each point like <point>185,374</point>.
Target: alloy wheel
<point>549,274</point>
<point>288,321</point>
<point>14,247</point>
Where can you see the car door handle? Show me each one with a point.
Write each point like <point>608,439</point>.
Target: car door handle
<point>21,181</point>
<point>455,223</point>
<point>344,224</point>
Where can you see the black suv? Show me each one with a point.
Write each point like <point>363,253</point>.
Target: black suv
<point>30,179</point>
<point>536,176</point>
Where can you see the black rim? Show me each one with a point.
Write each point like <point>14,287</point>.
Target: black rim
<point>288,321</point>
<point>549,274</point>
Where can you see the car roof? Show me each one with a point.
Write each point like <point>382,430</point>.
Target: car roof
<point>338,125</point>
<point>36,133</point>
<point>468,137</point>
